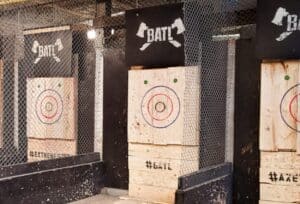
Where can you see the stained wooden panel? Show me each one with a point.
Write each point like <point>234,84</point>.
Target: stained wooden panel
<point>115,146</point>
<point>280,118</point>
<point>246,131</point>
<point>164,106</point>
<point>52,108</point>
<point>44,149</point>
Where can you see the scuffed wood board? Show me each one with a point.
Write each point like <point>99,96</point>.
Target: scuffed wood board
<point>276,176</point>
<point>164,106</point>
<point>52,108</point>
<point>152,193</point>
<point>280,193</point>
<point>279,160</point>
<point>50,149</point>
<point>279,110</point>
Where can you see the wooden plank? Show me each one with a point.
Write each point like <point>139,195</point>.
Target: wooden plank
<point>164,151</point>
<point>281,160</point>
<point>280,193</point>
<point>151,178</point>
<point>279,107</point>
<point>164,106</point>
<point>46,30</point>
<point>276,176</point>
<point>161,165</point>
<point>50,149</point>
<point>136,67</point>
<point>152,193</point>
<point>52,108</point>
<point>12,2</point>
<point>272,202</point>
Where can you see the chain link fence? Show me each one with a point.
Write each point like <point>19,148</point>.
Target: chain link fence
<point>50,91</point>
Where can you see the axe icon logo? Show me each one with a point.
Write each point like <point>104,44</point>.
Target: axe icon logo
<point>44,51</point>
<point>160,34</point>
<point>292,22</point>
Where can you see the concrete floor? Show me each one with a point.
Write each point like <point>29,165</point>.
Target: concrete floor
<point>106,199</point>
<point>110,196</point>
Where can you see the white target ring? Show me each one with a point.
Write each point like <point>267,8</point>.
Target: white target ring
<point>160,107</point>
<point>49,106</point>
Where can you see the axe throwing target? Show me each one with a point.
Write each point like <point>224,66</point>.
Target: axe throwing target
<point>49,106</point>
<point>289,107</point>
<point>160,106</point>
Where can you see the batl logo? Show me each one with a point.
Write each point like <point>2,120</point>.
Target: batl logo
<point>292,22</point>
<point>44,51</point>
<point>161,34</point>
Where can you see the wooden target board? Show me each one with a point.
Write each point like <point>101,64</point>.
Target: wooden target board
<point>279,132</point>
<point>51,117</point>
<point>162,103</point>
<point>163,130</point>
<point>154,170</point>
<point>280,100</point>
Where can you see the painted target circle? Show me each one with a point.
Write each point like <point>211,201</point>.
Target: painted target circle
<point>160,106</point>
<point>49,106</point>
<point>289,106</point>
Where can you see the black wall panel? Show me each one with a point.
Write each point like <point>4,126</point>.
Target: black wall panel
<point>246,153</point>
<point>115,152</point>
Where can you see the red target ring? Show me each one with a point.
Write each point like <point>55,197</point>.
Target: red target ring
<point>160,106</point>
<point>49,106</point>
<point>152,110</point>
<point>294,102</point>
<point>46,112</point>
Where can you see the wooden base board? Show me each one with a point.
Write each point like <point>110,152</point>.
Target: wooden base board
<point>156,165</point>
<point>272,202</point>
<point>50,149</point>
<point>284,177</point>
<point>164,151</point>
<point>165,179</point>
<point>280,193</point>
<point>152,193</point>
<point>279,160</point>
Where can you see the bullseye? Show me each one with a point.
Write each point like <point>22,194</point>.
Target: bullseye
<point>160,106</point>
<point>49,106</point>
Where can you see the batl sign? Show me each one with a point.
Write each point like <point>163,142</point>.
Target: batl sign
<point>161,34</point>
<point>52,49</point>
<point>47,50</point>
<point>292,22</point>
<point>155,36</point>
<point>278,29</point>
